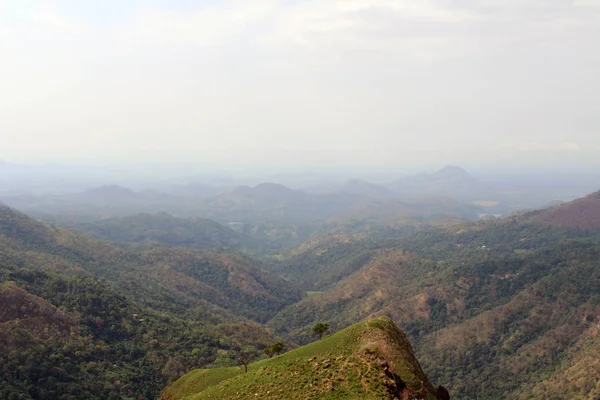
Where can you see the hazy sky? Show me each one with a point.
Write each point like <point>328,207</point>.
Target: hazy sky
<point>367,81</point>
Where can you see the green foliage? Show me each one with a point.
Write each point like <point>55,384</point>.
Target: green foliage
<point>111,340</point>
<point>93,320</point>
<point>336,367</point>
<point>168,279</point>
<point>244,358</point>
<point>274,349</point>
<point>480,301</point>
<point>277,347</point>
<point>508,306</point>
<point>320,329</point>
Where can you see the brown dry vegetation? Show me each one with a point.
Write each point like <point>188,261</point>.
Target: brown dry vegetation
<point>25,318</point>
<point>580,213</point>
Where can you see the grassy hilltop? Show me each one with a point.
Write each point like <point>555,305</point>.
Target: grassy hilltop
<point>369,360</point>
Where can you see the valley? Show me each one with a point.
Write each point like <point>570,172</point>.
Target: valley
<point>299,200</point>
<point>500,308</point>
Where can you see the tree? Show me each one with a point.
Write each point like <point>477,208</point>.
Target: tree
<point>320,329</point>
<point>269,351</point>
<point>275,348</point>
<point>244,359</point>
<point>174,367</point>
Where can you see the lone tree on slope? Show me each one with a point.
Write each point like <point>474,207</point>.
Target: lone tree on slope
<point>275,348</point>
<point>320,329</point>
<point>244,359</point>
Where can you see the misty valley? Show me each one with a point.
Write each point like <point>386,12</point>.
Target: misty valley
<point>299,200</point>
<point>432,286</point>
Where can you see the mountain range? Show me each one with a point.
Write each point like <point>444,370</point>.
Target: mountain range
<point>264,203</point>
<point>452,181</point>
<point>499,298</point>
<point>505,308</point>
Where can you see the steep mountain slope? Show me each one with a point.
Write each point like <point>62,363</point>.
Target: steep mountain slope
<point>577,375</point>
<point>166,278</point>
<point>390,277</point>
<point>155,312</point>
<point>511,299</point>
<point>25,318</point>
<point>580,213</point>
<point>325,260</point>
<point>370,360</point>
<point>495,309</point>
<point>78,338</point>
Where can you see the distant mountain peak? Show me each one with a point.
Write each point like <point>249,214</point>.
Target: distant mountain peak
<point>271,186</point>
<point>453,171</point>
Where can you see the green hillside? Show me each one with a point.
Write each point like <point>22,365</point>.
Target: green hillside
<point>369,360</point>
<point>169,230</point>
<point>166,278</point>
<point>78,338</point>
<point>492,308</point>
<point>82,318</point>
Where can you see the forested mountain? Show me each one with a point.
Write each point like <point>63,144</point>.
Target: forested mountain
<point>517,299</point>
<point>269,202</point>
<point>164,228</point>
<point>397,212</point>
<point>266,217</point>
<point>82,318</point>
<point>580,213</point>
<point>264,203</point>
<point>506,308</point>
<point>164,277</point>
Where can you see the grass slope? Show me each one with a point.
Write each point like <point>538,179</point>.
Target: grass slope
<point>368,360</point>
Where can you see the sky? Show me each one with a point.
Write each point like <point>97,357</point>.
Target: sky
<point>301,82</point>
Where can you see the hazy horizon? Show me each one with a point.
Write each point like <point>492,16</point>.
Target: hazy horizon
<point>302,84</point>
<point>193,191</point>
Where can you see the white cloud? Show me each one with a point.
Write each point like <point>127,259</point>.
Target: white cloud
<point>587,3</point>
<point>546,146</point>
<point>210,25</point>
<point>383,76</point>
<point>334,25</point>
<point>52,20</point>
